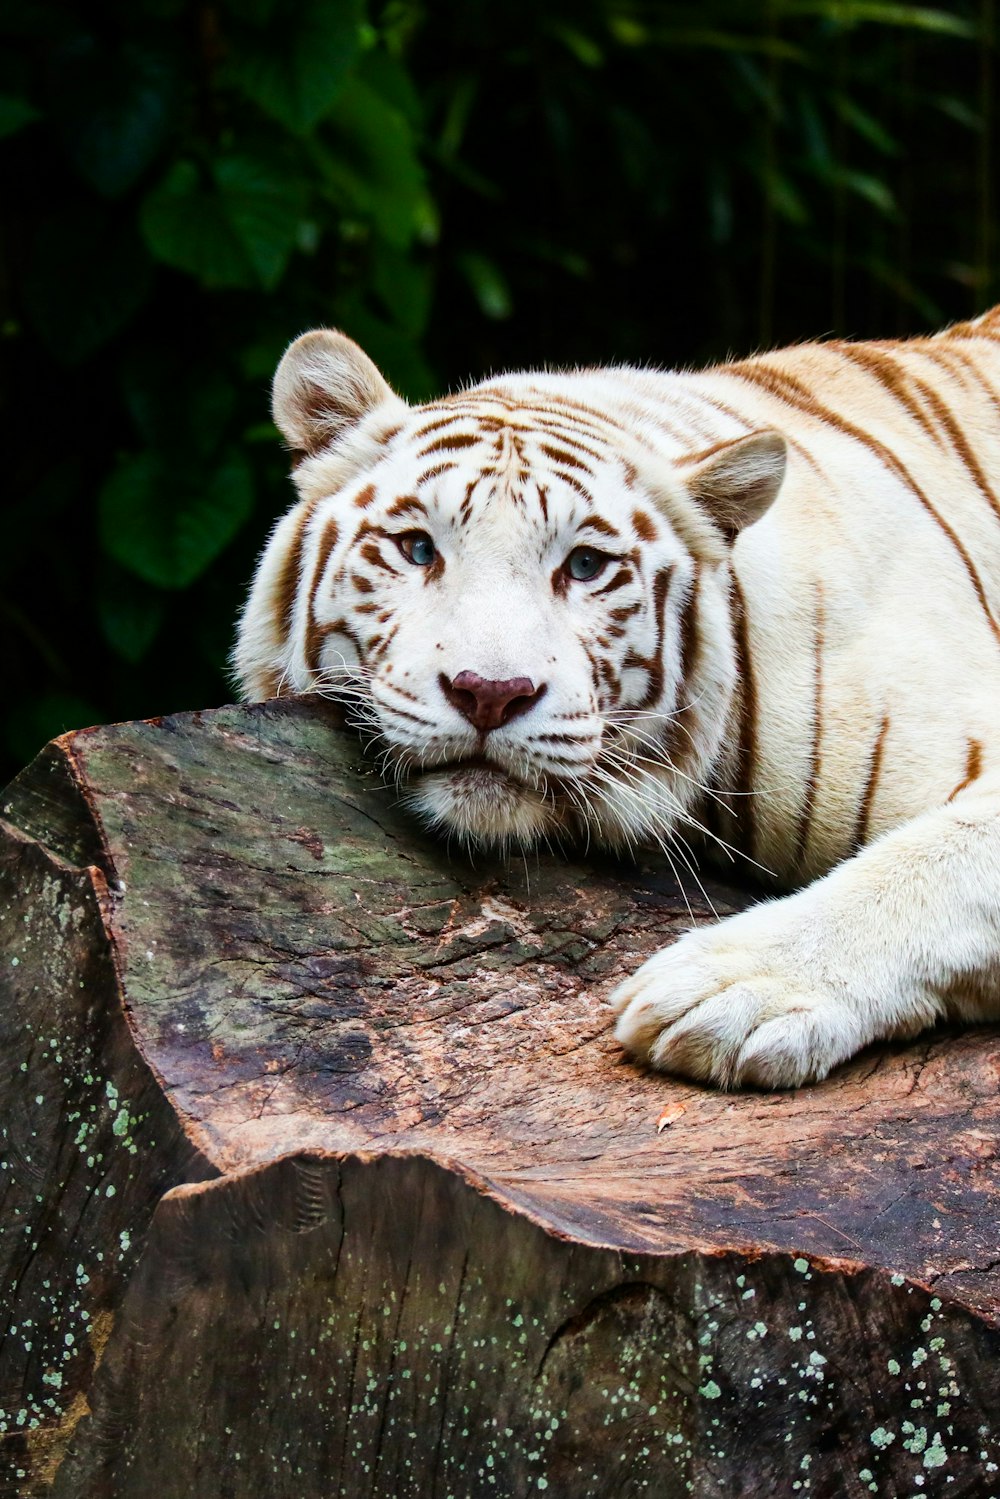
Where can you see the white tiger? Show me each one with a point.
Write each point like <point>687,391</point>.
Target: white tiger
<point>760,601</point>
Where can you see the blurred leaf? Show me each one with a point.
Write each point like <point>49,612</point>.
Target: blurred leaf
<point>373,165</point>
<point>814,139</point>
<point>550,253</point>
<point>854,12</point>
<point>488,284</point>
<point>131,615</point>
<point>582,47</point>
<point>456,115</point>
<point>720,205</point>
<point>723,41</point>
<point>177,404</point>
<point>30,725</point>
<point>167,526</point>
<point>15,114</point>
<point>403,285</point>
<point>236,230</point>
<point>112,108</point>
<point>865,124</point>
<point>957,110</point>
<point>297,66</point>
<point>784,196</point>
<point>390,80</point>
<point>186,226</point>
<point>78,300</point>
<point>628,31</point>
<point>865,186</point>
<point>264,207</point>
<point>891,276</point>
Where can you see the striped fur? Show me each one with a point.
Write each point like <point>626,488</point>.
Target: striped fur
<point>809,674</point>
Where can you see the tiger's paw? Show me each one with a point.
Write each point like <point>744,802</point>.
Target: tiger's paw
<point>736,1005</point>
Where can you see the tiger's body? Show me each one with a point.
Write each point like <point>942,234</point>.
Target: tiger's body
<point>791,642</point>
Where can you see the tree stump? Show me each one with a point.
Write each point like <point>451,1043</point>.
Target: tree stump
<point>323,1174</point>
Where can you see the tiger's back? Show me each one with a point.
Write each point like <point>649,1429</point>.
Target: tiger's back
<point>872,590</point>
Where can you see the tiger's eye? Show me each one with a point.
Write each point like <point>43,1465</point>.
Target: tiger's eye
<point>417,547</point>
<point>584,563</point>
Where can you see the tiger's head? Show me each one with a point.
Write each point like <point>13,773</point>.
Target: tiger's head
<point>521,591</point>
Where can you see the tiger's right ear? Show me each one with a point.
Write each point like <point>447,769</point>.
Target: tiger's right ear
<point>323,386</point>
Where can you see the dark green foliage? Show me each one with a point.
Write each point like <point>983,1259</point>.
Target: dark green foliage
<point>460,186</point>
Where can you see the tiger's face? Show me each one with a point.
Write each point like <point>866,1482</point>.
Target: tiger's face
<point>527,613</point>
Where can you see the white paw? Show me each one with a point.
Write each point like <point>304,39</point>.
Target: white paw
<point>739,1004</point>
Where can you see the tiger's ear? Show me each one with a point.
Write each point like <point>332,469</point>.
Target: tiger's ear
<point>323,386</point>
<point>738,481</point>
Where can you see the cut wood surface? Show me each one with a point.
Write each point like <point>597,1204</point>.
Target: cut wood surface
<point>325,1175</point>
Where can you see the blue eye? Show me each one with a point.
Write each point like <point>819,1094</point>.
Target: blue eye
<point>585,563</point>
<point>417,547</point>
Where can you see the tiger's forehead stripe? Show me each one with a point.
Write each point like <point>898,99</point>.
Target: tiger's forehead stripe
<point>407,504</point>
<point>559,455</point>
<point>434,473</point>
<point>574,483</point>
<point>429,427</point>
<point>598,523</point>
<point>450,444</point>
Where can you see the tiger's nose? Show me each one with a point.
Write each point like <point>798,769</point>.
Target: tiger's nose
<point>488,704</point>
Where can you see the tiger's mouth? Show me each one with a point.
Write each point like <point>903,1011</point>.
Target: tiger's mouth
<point>477,770</point>
<point>481,801</point>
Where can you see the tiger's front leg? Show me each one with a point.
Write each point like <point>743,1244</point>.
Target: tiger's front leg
<point>891,941</point>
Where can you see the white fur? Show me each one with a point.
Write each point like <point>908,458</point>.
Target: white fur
<point>874,664</point>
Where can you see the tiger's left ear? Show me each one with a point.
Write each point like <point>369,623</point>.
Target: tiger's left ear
<point>323,386</point>
<point>738,481</point>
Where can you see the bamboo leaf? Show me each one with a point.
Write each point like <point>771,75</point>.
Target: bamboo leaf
<point>488,284</point>
<point>865,124</point>
<point>857,12</point>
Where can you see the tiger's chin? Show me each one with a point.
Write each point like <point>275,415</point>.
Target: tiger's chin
<point>481,803</point>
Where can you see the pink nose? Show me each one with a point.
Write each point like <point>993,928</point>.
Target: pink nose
<point>487,705</point>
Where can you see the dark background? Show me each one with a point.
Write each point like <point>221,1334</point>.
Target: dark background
<point>462,187</point>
